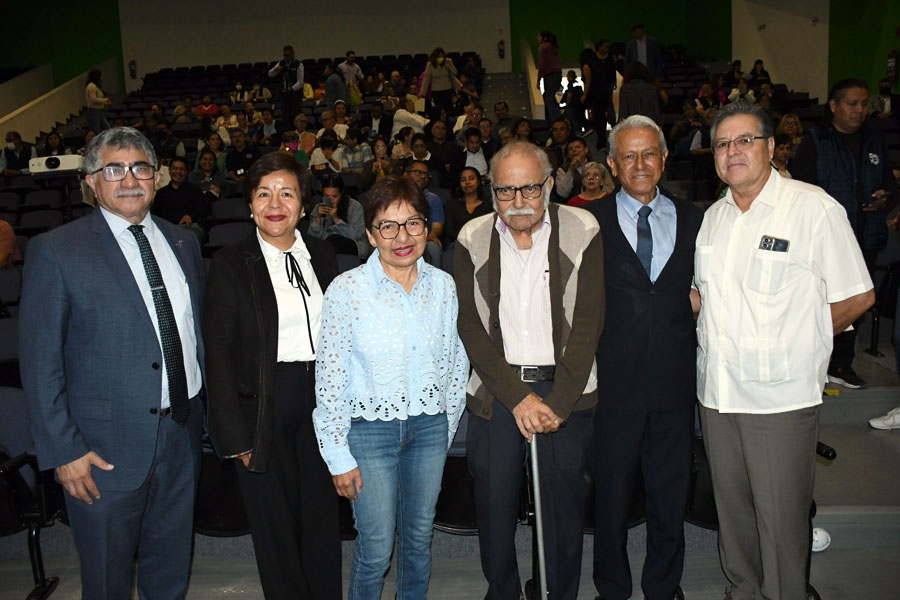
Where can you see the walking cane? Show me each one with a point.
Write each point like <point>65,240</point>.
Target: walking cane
<point>538,516</point>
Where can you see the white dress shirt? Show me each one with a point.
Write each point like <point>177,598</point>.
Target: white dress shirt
<point>765,330</point>
<point>525,311</point>
<point>176,287</point>
<point>293,334</point>
<point>477,160</point>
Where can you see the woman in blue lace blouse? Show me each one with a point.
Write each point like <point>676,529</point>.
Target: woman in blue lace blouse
<point>391,375</point>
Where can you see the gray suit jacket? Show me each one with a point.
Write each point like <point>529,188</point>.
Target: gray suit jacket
<point>90,357</point>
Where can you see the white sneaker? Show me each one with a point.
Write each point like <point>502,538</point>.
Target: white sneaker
<point>821,539</point>
<point>888,421</point>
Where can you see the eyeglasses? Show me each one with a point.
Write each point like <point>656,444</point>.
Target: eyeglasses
<point>417,172</point>
<point>390,229</point>
<point>591,176</point>
<point>113,173</point>
<point>741,143</point>
<point>529,192</point>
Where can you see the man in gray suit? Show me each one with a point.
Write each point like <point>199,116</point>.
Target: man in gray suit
<point>111,353</point>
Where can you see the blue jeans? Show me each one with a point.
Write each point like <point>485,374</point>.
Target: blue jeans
<point>402,464</point>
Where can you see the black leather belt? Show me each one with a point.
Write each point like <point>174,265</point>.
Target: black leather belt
<point>533,373</point>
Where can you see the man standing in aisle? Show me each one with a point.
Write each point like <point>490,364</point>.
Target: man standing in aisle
<point>289,73</point>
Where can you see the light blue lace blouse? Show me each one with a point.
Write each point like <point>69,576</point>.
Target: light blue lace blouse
<point>384,354</point>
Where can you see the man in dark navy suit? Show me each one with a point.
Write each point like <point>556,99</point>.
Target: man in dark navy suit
<point>646,356</point>
<point>111,355</point>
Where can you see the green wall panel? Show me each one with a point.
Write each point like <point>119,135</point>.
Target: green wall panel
<point>861,34</point>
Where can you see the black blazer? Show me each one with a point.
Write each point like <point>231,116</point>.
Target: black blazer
<point>241,327</point>
<point>385,125</point>
<point>646,356</point>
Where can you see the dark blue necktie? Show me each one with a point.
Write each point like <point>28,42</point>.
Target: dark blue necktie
<point>168,330</point>
<point>644,238</point>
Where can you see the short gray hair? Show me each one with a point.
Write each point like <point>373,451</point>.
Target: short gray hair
<point>120,138</point>
<point>743,108</point>
<point>518,148</point>
<point>635,122</point>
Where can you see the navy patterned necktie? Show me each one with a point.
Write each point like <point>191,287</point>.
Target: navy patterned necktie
<point>168,330</point>
<point>644,238</point>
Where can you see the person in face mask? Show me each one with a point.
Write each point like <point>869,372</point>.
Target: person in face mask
<point>885,103</point>
<point>258,92</point>
<point>15,156</point>
<point>440,79</point>
<point>239,94</point>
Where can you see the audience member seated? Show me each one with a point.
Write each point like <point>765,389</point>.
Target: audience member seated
<point>214,143</point>
<point>167,146</point>
<point>734,75</point>
<point>207,175</point>
<point>568,179</point>
<point>782,154</point>
<point>442,148</point>
<point>885,104</point>
<point>258,93</point>
<point>240,157</point>
<point>407,117</point>
<point>433,245</point>
<point>244,126</point>
<point>502,117</point>
<point>270,130</point>
<point>254,117</point>
<point>355,153</point>
<point>88,136</point>
<point>790,125</point>
<point>758,75</point>
<point>741,92</point>
<point>471,156</point>
<point>290,143</point>
<point>307,138</point>
<point>239,95</point>
<point>707,100</point>
<point>402,148</point>
<point>207,108</point>
<point>184,113</point>
<point>489,143</point>
<point>181,202</point>
<point>560,135</point>
<point>469,118</point>
<point>467,89</point>
<point>717,81</point>
<point>641,94</point>
<point>377,124</point>
<point>467,203</point>
<point>329,123</point>
<point>420,152</point>
<point>474,73</point>
<point>327,157</point>
<point>682,133</point>
<point>381,164</point>
<point>226,118</point>
<point>9,247</point>
<point>767,101</point>
<point>53,146</point>
<point>15,157</point>
<point>504,135</point>
<point>340,114</point>
<point>596,183</point>
<point>339,219</point>
<point>522,130</point>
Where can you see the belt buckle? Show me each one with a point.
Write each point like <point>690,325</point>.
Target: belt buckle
<point>523,373</point>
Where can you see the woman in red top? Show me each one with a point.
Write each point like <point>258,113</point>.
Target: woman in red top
<point>550,70</point>
<point>207,108</point>
<point>597,184</point>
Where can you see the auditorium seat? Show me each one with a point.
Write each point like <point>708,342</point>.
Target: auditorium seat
<point>42,199</point>
<point>39,220</point>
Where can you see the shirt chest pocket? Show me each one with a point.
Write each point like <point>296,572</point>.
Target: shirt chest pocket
<point>767,271</point>
<point>702,260</point>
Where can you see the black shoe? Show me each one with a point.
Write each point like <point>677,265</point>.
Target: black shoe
<point>846,377</point>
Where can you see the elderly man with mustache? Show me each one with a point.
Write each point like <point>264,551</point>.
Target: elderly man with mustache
<point>531,306</point>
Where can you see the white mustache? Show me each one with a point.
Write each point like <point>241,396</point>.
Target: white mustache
<point>515,212</point>
<point>129,193</point>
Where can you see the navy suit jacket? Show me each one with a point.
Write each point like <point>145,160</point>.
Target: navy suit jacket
<point>654,55</point>
<point>90,357</point>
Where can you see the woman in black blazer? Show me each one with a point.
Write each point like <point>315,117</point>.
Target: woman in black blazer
<point>261,320</point>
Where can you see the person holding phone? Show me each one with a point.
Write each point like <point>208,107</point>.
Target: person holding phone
<point>338,219</point>
<point>380,165</point>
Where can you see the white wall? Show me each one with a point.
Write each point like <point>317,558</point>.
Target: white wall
<point>170,33</point>
<point>791,37</point>
<point>24,88</point>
